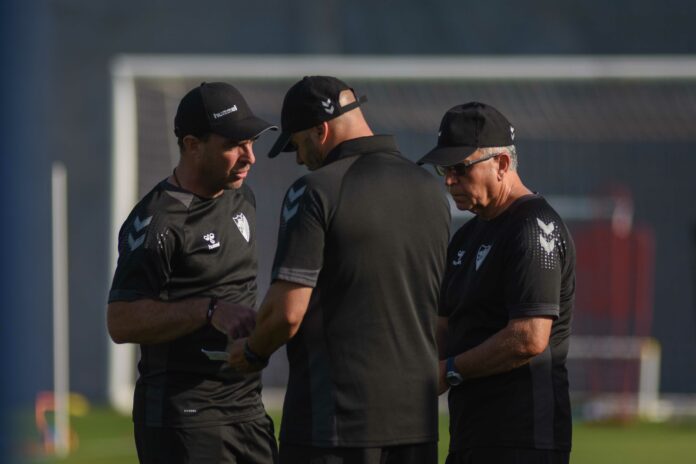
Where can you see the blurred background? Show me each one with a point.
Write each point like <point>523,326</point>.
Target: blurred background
<point>602,96</point>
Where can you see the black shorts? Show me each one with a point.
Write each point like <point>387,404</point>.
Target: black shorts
<point>508,456</point>
<point>422,453</point>
<point>244,443</point>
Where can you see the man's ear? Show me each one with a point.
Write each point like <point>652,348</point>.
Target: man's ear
<point>191,143</point>
<point>322,132</point>
<point>504,162</point>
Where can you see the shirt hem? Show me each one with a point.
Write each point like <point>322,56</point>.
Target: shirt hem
<point>460,449</point>
<point>256,414</point>
<point>362,443</point>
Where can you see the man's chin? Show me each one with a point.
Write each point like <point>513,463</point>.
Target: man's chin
<point>235,184</point>
<point>463,205</point>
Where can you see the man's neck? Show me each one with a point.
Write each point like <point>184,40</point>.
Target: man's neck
<point>182,178</point>
<point>342,133</point>
<point>509,193</point>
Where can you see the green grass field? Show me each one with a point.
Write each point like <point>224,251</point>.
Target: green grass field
<point>106,438</point>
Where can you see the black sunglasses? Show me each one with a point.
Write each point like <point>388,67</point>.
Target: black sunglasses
<point>460,169</point>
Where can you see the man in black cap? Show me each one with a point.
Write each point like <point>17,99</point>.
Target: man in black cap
<point>361,251</point>
<point>506,301</point>
<point>185,280</point>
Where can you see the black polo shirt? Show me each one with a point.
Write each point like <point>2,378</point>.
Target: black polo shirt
<point>369,232</point>
<point>520,264</point>
<point>176,245</point>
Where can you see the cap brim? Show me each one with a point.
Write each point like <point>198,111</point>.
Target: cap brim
<point>245,129</point>
<point>280,145</point>
<point>446,156</point>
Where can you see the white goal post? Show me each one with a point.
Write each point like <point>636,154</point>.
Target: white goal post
<point>646,352</point>
<point>127,69</point>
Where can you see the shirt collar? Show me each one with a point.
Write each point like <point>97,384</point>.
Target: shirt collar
<point>362,146</point>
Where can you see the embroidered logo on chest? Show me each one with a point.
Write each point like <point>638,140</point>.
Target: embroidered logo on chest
<point>458,261</point>
<point>242,224</point>
<point>212,242</point>
<point>481,255</point>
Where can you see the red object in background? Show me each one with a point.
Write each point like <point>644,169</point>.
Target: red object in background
<point>614,280</point>
<point>614,289</point>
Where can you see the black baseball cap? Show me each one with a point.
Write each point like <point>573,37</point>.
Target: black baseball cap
<point>308,103</point>
<point>466,128</point>
<point>219,108</point>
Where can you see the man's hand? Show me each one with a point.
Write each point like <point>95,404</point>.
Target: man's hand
<point>234,320</point>
<point>279,318</point>
<point>236,358</point>
<point>442,385</point>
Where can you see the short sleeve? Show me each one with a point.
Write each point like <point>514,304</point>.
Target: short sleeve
<point>146,248</point>
<point>301,236</point>
<point>532,275</point>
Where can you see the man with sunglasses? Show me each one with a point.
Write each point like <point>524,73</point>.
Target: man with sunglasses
<point>506,301</point>
<point>361,252</point>
<point>185,281</point>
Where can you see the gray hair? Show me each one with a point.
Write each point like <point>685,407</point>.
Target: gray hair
<point>511,150</point>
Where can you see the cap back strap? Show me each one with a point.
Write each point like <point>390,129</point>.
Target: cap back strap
<point>353,105</point>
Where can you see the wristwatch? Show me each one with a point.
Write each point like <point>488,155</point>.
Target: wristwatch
<point>453,377</point>
<point>255,360</point>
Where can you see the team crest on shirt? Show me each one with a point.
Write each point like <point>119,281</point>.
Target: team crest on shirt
<point>481,255</point>
<point>458,261</point>
<point>242,224</point>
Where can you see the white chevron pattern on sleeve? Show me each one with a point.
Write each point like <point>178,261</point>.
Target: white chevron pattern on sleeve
<point>547,245</point>
<point>546,228</point>
<point>292,204</point>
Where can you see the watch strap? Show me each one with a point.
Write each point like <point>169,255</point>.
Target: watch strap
<point>253,358</point>
<point>449,365</point>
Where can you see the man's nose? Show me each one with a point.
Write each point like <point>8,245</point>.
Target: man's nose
<point>248,153</point>
<point>450,178</point>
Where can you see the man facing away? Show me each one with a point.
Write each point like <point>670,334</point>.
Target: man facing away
<point>185,280</point>
<point>356,277</point>
<point>506,301</point>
